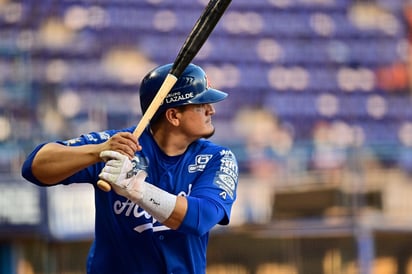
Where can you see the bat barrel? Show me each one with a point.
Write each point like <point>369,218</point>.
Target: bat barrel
<point>199,34</point>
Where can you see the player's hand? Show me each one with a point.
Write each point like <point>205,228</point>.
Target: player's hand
<point>124,142</point>
<point>125,179</point>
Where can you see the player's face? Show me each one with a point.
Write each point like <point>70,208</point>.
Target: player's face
<point>196,120</point>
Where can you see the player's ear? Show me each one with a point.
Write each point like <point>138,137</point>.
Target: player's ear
<point>173,116</point>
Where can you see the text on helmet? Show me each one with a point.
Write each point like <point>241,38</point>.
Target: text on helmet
<point>178,96</point>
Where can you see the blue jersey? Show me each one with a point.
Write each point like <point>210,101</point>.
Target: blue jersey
<point>127,239</point>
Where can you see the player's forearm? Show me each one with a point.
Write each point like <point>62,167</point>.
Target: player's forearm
<point>54,162</point>
<point>178,214</point>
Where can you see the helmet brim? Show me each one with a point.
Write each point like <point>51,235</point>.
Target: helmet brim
<point>208,96</point>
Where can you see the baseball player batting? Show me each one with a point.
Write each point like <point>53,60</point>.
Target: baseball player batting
<point>171,187</point>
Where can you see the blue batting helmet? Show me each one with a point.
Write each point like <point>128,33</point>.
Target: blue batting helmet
<point>192,87</point>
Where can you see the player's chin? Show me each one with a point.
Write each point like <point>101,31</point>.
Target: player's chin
<point>209,133</point>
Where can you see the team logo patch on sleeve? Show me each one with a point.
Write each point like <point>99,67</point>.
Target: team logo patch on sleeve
<point>200,163</point>
<point>227,176</point>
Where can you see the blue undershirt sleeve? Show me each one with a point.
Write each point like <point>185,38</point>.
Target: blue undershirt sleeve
<point>26,167</point>
<point>201,216</point>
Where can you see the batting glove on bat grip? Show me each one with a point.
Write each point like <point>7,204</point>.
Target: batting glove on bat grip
<point>126,179</point>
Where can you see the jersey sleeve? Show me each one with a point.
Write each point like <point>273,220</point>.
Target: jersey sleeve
<point>26,171</point>
<point>87,175</point>
<point>212,196</point>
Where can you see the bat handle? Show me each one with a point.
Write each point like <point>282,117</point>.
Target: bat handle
<point>103,185</point>
<point>167,85</point>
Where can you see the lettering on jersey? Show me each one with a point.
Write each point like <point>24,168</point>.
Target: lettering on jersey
<point>200,163</point>
<point>178,96</point>
<point>72,141</point>
<point>91,138</point>
<point>143,227</point>
<point>227,176</point>
<point>104,135</point>
<point>133,210</point>
<point>184,194</point>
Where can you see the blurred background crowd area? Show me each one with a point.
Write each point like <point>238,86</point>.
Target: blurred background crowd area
<point>332,73</point>
<point>319,111</point>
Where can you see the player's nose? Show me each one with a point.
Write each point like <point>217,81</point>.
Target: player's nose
<point>210,109</point>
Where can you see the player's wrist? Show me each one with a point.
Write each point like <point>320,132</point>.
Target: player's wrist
<point>95,151</point>
<point>157,202</point>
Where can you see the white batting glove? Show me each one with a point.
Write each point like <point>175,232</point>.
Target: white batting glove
<point>126,179</point>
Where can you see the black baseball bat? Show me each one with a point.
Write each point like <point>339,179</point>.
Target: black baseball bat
<point>193,43</point>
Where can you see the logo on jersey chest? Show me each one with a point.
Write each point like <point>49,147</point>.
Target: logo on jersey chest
<point>200,163</point>
<point>143,220</point>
